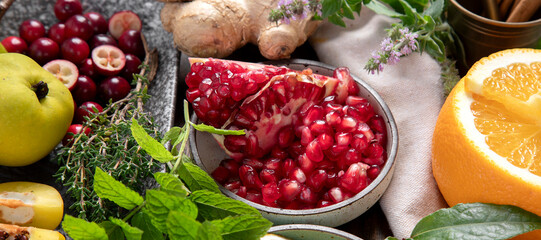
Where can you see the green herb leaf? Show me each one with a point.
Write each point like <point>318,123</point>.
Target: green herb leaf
<point>380,8</point>
<point>393,238</point>
<point>181,226</point>
<point>246,227</point>
<point>159,204</point>
<point>435,9</point>
<point>131,233</point>
<point>149,144</point>
<point>347,11</point>
<point>210,129</point>
<point>171,135</point>
<point>430,23</point>
<point>107,187</point>
<point>336,19</point>
<point>330,7</point>
<point>114,232</point>
<point>142,221</point>
<point>79,229</point>
<point>217,206</point>
<point>476,221</point>
<point>195,178</point>
<point>411,15</point>
<point>171,184</point>
<point>355,5</point>
<point>208,231</point>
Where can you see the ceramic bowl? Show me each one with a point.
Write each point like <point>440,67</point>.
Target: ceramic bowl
<point>208,154</point>
<point>313,232</point>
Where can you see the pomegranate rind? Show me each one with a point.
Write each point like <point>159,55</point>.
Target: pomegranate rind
<point>122,21</point>
<point>63,70</point>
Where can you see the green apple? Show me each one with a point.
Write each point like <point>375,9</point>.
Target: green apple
<point>36,110</point>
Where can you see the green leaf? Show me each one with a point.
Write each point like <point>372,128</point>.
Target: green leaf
<point>107,187</point>
<point>411,14</point>
<point>3,49</point>
<point>195,178</point>
<point>114,232</point>
<point>335,19</point>
<point>347,11</point>
<point>208,231</point>
<point>131,233</point>
<point>380,8</point>
<point>435,9</point>
<point>206,128</point>
<point>142,221</point>
<point>159,204</point>
<point>181,226</point>
<point>418,5</point>
<point>171,184</point>
<point>355,5</point>
<point>330,7</point>
<point>246,227</point>
<point>217,206</point>
<point>430,23</point>
<point>171,135</point>
<point>149,144</point>
<point>394,4</point>
<point>79,229</point>
<point>476,221</point>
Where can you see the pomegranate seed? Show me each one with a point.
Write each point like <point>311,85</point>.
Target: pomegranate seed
<point>348,124</point>
<point>279,153</point>
<point>319,127</point>
<point>294,205</point>
<point>288,167</point>
<point>335,151</point>
<point>235,143</point>
<point>323,203</point>
<point>315,113</point>
<point>317,180</point>
<point>306,164</point>
<point>377,124</point>
<point>374,150</point>
<point>333,107</point>
<point>233,185</point>
<point>307,195</point>
<point>252,146</point>
<point>334,118</point>
<point>332,179</point>
<point>270,192</point>
<point>365,129</point>
<point>254,197</point>
<point>296,149</point>
<point>285,137</point>
<point>355,178</point>
<point>355,100</point>
<point>249,177</point>
<point>325,141</point>
<point>268,175</point>
<point>273,164</point>
<point>232,166</point>
<point>374,161</point>
<point>360,143</point>
<point>289,190</point>
<point>373,172</point>
<point>380,138</point>
<point>254,163</point>
<point>298,175</point>
<point>313,151</point>
<point>336,195</point>
<point>250,87</point>
<point>352,156</point>
<point>220,174</point>
<point>192,94</point>
<point>342,139</point>
<point>242,191</point>
<point>306,136</point>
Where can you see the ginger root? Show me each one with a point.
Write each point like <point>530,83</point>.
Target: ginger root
<point>216,28</point>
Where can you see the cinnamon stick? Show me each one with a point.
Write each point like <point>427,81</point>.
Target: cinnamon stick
<point>523,10</point>
<point>504,7</point>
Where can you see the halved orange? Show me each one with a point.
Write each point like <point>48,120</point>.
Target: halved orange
<point>487,139</point>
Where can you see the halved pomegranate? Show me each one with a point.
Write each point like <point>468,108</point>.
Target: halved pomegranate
<point>64,70</point>
<point>108,59</point>
<point>122,21</point>
<point>309,137</point>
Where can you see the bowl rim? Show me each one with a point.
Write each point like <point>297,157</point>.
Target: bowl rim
<point>387,168</point>
<point>312,227</point>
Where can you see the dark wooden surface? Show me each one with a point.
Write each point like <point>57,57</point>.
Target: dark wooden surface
<point>372,225</point>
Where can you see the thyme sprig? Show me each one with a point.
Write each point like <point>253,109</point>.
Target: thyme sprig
<point>110,147</point>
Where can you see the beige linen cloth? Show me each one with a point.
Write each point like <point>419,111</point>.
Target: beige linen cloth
<point>413,91</point>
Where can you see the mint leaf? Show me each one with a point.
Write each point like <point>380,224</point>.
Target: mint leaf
<point>131,233</point>
<point>171,184</point>
<point>476,221</point>
<point>206,128</point>
<point>435,9</point>
<point>107,187</point>
<point>217,206</point>
<point>337,20</point>
<point>79,229</point>
<point>114,232</point>
<point>382,9</point>
<point>142,221</point>
<point>155,149</point>
<point>171,135</point>
<point>159,204</point>
<point>246,227</point>
<point>182,226</point>
<point>208,231</point>
<point>196,178</point>
<point>330,7</point>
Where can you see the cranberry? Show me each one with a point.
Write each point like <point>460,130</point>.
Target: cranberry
<point>64,9</point>
<point>57,33</point>
<point>114,88</point>
<point>43,50</point>
<point>75,50</point>
<point>108,60</point>
<point>31,30</point>
<point>85,89</point>
<point>123,21</point>
<point>102,39</point>
<point>85,110</point>
<point>130,42</point>
<point>73,130</point>
<point>15,44</point>
<point>98,22</point>
<point>131,67</point>
<point>87,68</point>
<point>79,26</point>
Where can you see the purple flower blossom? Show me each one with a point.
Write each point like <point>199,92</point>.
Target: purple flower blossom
<point>399,44</point>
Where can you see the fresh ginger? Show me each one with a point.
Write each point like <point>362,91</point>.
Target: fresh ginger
<point>216,28</point>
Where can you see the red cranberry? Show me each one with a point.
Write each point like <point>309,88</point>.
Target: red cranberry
<point>102,39</point>
<point>85,110</point>
<point>75,50</point>
<point>31,30</point>
<point>64,9</point>
<point>57,33</point>
<point>98,22</point>
<point>130,42</point>
<point>15,44</point>
<point>72,131</point>
<point>79,26</point>
<point>44,50</point>
<point>85,89</point>
<point>87,68</point>
<point>114,88</point>
<point>131,67</point>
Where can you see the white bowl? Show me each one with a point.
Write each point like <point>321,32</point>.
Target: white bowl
<point>312,232</point>
<point>209,157</point>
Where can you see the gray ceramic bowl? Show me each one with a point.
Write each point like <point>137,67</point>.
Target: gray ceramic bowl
<point>312,232</point>
<point>208,154</point>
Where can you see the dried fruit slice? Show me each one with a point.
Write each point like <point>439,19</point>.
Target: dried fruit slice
<point>64,70</point>
<point>122,21</point>
<point>108,59</point>
<point>9,231</point>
